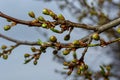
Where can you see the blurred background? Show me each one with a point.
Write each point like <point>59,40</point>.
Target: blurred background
<point>48,67</point>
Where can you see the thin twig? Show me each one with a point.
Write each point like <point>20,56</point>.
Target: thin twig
<point>85,50</point>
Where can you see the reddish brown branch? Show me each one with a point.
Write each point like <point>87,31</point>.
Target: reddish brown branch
<point>66,22</point>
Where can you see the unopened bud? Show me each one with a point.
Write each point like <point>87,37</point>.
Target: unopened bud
<point>66,52</point>
<point>26,55</point>
<point>31,14</point>
<point>67,37</point>
<point>3,47</point>
<point>53,39</point>
<point>45,11</point>
<point>96,36</point>
<point>44,25</point>
<point>61,17</point>
<point>5,57</point>
<point>7,27</point>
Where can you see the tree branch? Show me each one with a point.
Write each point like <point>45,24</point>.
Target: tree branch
<point>66,22</point>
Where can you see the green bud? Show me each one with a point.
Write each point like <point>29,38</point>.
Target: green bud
<point>7,27</point>
<point>60,17</point>
<point>81,68</point>
<point>52,14</point>
<point>118,30</point>
<point>33,49</point>
<point>67,37</point>
<point>66,52</point>
<point>78,72</point>
<point>40,18</point>
<point>26,55</point>
<point>35,62</point>
<point>53,39</point>
<point>39,42</point>
<point>74,55</point>
<point>31,14</point>
<point>108,68</point>
<point>3,47</point>
<point>5,57</point>
<point>86,66</point>
<point>69,72</point>
<point>44,25</point>
<point>65,63</point>
<point>45,11</point>
<point>76,42</point>
<point>74,60</point>
<point>96,36</point>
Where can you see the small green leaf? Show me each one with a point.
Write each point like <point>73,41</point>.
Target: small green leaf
<point>39,42</point>
<point>27,61</point>
<point>74,55</point>
<point>55,30</point>
<point>102,70</point>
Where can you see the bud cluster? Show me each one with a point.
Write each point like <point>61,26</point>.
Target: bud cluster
<point>82,68</point>
<point>5,51</point>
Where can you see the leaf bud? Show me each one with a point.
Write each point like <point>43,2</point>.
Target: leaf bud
<point>31,14</point>
<point>35,62</point>
<point>5,57</point>
<point>76,42</point>
<point>108,68</point>
<point>52,14</point>
<point>65,63</point>
<point>53,39</point>
<point>86,66</point>
<point>55,52</point>
<point>45,11</point>
<point>78,72</point>
<point>66,52</point>
<point>81,68</point>
<point>3,47</point>
<point>69,72</point>
<point>26,55</point>
<point>27,61</point>
<point>118,30</point>
<point>74,60</point>
<point>44,25</point>
<point>33,49</point>
<point>67,37</point>
<point>40,18</point>
<point>96,36</point>
<point>61,17</point>
<point>7,27</point>
<point>8,20</point>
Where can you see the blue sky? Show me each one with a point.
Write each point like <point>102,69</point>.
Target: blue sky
<point>13,68</point>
